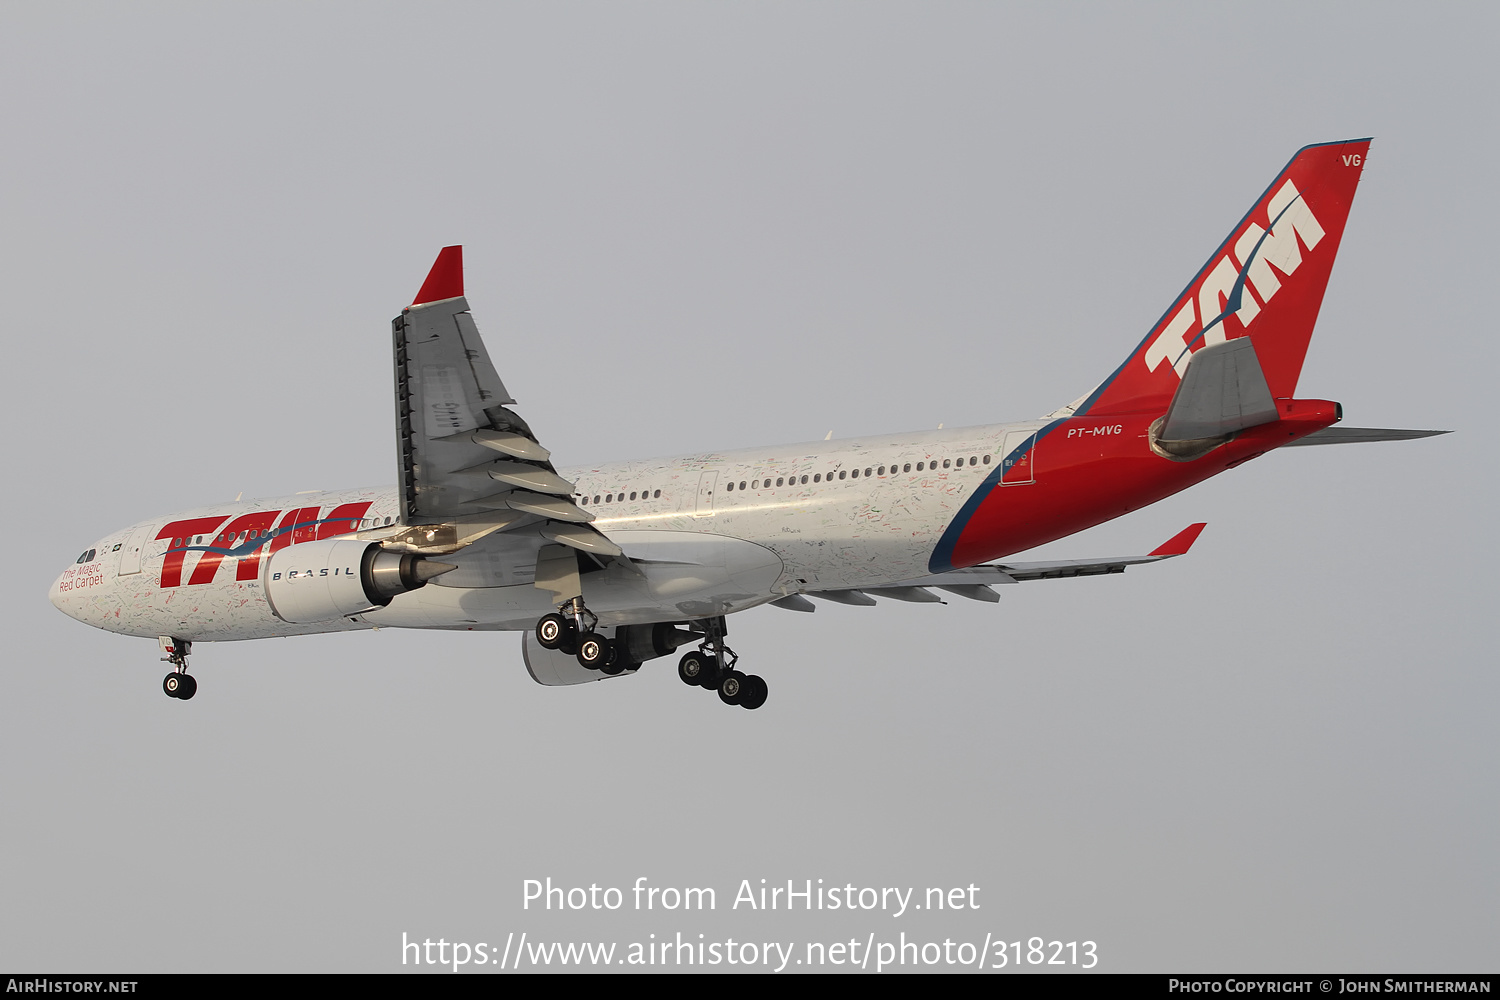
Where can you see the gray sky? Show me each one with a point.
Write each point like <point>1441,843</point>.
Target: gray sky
<point>711,226</point>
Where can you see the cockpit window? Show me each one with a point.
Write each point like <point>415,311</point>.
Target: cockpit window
<point>86,557</point>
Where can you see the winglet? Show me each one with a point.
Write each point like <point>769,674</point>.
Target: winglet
<point>1179,543</point>
<point>446,279</point>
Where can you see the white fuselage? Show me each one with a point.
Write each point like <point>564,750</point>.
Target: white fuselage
<point>708,534</point>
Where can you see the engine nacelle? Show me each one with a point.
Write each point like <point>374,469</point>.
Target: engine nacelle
<point>338,577</point>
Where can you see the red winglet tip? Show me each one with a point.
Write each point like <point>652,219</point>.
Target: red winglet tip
<point>446,279</point>
<point>1179,543</point>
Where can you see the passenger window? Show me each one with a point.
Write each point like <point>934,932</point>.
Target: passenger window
<point>657,494</point>
<point>946,463</point>
<point>882,470</point>
<point>906,467</point>
<point>804,480</point>
<point>632,494</point>
<point>853,473</point>
<point>778,480</point>
<point>986,460</point>
<point>818,478</point>
<point>867,473</point>
<point>841,473</point>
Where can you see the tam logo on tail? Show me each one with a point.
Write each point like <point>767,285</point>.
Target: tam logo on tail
<point>1258,255</point>
<point>1265,281</point>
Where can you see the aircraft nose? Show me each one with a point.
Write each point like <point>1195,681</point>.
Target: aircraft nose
<point>58,595</point>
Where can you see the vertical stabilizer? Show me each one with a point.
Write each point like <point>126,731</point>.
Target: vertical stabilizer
<point>1265,282</point>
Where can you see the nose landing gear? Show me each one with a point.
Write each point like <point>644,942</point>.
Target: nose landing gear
<point>179,683</point>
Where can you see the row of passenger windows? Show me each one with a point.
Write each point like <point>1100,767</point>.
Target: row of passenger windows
<point>818,477</point>
<point>869,472</point>
<point>620,497</point>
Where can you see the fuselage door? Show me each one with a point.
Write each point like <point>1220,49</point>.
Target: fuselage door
<point>706,484</point>
<point>130,555</point>
<point>1017,465</point>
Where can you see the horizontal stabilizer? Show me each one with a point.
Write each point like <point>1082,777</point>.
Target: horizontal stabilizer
<point>1361,435</point>
<point>1223,391</point>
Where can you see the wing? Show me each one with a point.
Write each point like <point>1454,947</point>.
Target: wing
<point>975,582</point>
<point>469,468</point>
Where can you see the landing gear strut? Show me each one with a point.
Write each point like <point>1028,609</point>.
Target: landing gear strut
<point>179,683</point>
<point>712,667</point>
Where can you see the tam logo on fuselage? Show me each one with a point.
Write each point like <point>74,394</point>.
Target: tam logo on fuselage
<point>246,537</point>
<point>1201,320</point>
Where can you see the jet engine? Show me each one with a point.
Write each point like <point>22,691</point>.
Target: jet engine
<point>337,577</point>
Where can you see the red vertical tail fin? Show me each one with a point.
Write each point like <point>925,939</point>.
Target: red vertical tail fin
<point>1265,282</point>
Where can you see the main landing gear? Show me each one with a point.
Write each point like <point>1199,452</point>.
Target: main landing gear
<point>179,683</point>
<point>712,667</point>
<point>574,630</point>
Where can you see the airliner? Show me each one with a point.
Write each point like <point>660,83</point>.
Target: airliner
<point>605,568</point>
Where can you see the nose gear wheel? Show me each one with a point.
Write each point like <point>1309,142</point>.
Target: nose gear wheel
<point>179,683</point>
